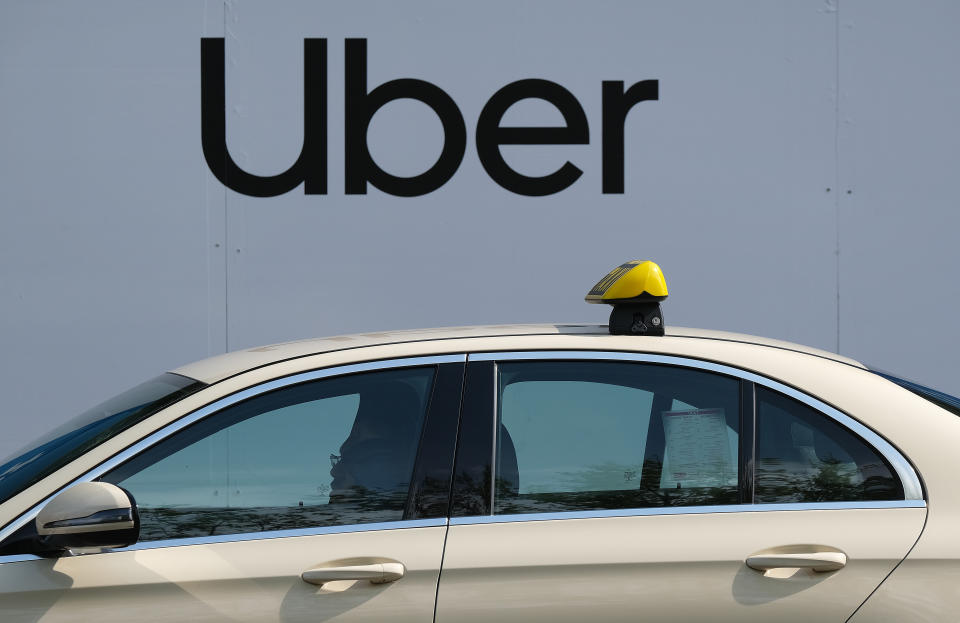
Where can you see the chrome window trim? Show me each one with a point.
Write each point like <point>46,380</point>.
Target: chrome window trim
<point>686,510</point>
<point>222,403</point>
<point>912,488</point>
<point>259,536</point>
<point>495,425</point>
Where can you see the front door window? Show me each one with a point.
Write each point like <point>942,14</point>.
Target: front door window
<point>336,451</point>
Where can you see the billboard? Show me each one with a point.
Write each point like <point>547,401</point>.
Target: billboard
<point>180,179</point>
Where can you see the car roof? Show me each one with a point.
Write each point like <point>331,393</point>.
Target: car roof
<point>224,366</point>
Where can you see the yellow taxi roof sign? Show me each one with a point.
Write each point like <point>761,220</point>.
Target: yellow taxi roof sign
<point>638,281</point>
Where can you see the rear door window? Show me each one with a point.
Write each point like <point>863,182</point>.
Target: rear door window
<point>568,435</point>
<point>610,435</point>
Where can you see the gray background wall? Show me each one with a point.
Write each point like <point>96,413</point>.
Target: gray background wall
<point>796,179</point>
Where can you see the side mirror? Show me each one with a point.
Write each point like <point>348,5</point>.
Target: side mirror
<point>89,515</point>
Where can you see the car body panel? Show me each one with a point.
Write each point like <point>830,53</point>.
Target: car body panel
<point>682,567</point>
<point>922,589</point>
<point>223,366</point>
<point>251,580</point>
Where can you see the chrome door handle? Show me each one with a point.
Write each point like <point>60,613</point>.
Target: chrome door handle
<point>376,573</point>
<point>793,557</point>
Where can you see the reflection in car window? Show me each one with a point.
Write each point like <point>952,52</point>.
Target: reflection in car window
<point>805,456</point>
<point>330,452</point>
<point>89,429</point>
<point>609,435</point>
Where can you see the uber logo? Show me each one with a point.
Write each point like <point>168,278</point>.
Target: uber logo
<point>360,105</point>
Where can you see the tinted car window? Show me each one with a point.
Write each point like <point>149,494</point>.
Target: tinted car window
<point>330,452</point>
<point>609,435</point>
<point>805,456</point>
<point>89,429</point>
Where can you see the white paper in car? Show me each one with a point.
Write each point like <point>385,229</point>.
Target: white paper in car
<point>697,450</point>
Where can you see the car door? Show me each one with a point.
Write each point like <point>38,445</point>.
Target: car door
<point>615,486</point>
<point>329,475</point>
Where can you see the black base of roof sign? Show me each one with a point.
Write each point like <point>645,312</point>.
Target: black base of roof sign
<point>636,319</point>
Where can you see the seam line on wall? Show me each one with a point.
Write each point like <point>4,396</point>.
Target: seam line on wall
<point>226,211</point>
<point>836,162</point>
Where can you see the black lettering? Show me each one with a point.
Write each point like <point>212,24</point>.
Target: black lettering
<point>360,106</point>
<point>616,105</point>
<point>490,136</point>
<point>310,167</point>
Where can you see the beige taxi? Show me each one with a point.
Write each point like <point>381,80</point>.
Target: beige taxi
<point>510,473</point>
